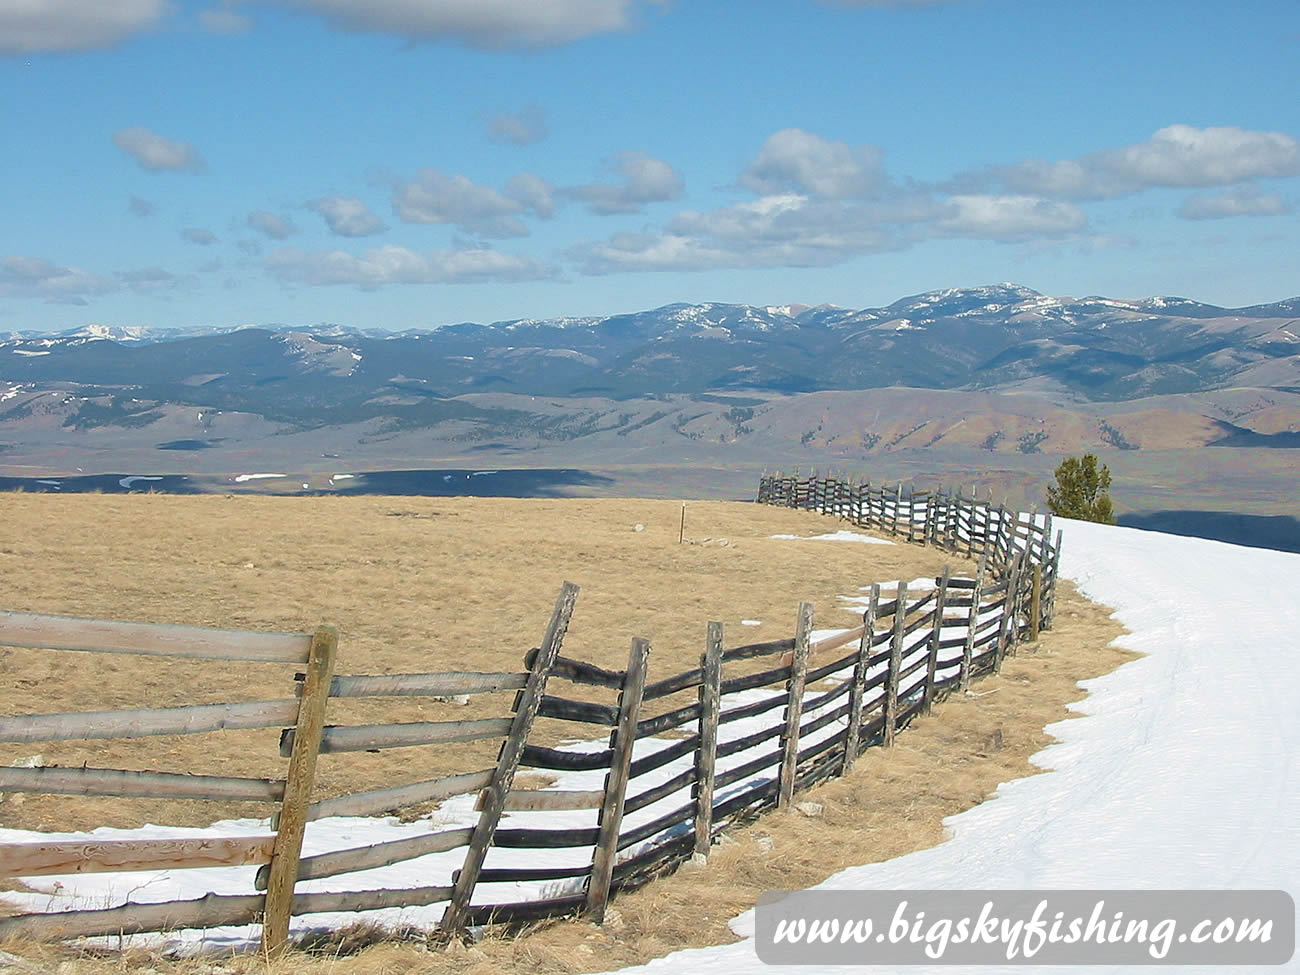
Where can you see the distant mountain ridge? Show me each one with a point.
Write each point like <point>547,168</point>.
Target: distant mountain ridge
<point>997,338</point>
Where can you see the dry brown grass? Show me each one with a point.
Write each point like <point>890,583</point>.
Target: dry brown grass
<point>893,803</point>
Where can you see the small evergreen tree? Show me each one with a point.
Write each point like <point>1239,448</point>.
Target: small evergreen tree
<point>1080,491</point>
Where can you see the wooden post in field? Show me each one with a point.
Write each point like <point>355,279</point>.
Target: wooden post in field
<point>851,745</point>
<point>1008,630</point>
<point>1036,602</point>
<point>681,531</point>
<point>968,650</point>
<point>1051,590</point>
<point>527,704</point>
<point>898,505</point>
<point>707,753</point>
<point>794,706</point>
<point>611,812</point>
<point>932,662</point>
<point>297,790</point>
<point>895,663</point>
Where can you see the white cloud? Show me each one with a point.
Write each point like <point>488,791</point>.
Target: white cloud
<point>153,151</point>
<point>277,228</point>
<point>1245,201</point>
<point>399,265</point>
<point>34,26</point>
<point>532,192</point>
<point>1175,156</point>
<point>36,277</point>
<point>141,207</point>
<point>490,24</point>
<point>223,20</point>
<point>644,179</point>
<point>347,216</point>
<point>199,235</point>
<point>1009,217</point>
<point>438,197</point>
<point>796,161</point>
<point>521,128</point>
<point>150,280</point>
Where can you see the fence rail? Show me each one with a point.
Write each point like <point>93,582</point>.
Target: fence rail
<point>744,740</point>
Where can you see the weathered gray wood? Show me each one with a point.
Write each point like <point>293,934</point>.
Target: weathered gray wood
<point>297,790</point>
<point>531,800</point>
<point>706,755</point>
<point>932,661</point>
<point>895,664</point>
<point>968,650</point>
<point>52,780</point>
<point>363,737</point>
<point>424,685</point>
<point>99,856</point>
<point>376,801</point>
<point>611,812</point>
<point>1035,602</point>
<point>851,746</point>
<point>375,855</point>
<point>1054,576</point>
<point>833,642</point>
<point>794,706</point>
<point>529,700</point>
<point>1007,629</point>
<point>190,719</point>
<point>150,639</point>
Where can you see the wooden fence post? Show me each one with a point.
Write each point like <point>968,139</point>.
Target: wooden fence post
<point>932,662</point>
<point>1035,602</point>
<point>895,663</point>
<point>611,812</point>
<point>968,649</point>
<point>503,776</point>
<point>1008,630</point>
<point>707,753</point>
<point>794,706</point>
<point>1051,589</point>
<point>851,745</point>
<point>297,790</point>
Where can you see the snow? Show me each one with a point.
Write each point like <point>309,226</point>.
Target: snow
<point>241,478</point>
<point>1183,773</point>
<point>28,352</point>
<point>126,482</point>
<point>843,535</point>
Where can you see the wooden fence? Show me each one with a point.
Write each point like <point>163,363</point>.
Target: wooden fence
<point>687,755</point>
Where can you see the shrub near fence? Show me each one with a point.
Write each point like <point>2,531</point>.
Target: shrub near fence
<point>687,754</point>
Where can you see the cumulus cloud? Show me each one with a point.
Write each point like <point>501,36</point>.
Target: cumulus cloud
<point>796,161</point>
<point>1176,156</point>
<point>151,280</point>
<point>199,235</point>
<point>1009,218</point>
<point>277,228</point>
<point>489,24</point>
<point>399,265</point>
<point>31,27</point>
<point>153,151</point>
<point>37,277</point>
<point>522,128</point>
<point>223,20</point>
<point>347,216</point>
<point>141,207</point>
<point>1245,201</point>
<point>644,179</point>
<point>438,197</point>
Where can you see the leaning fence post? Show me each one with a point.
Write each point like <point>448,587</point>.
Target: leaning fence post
<point>527,704</point>
<point>1054,575</point>
<point>895,663</point>
<point>968,649</point>
<point>707,753</point>
<point>794,706</point>
<point>283,874</point>
<point>860,682</point>
<point>611,812</point>
<point>932,662</point>
<point>1008,628</point>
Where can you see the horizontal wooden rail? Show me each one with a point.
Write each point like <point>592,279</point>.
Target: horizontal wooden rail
<point>360,738</point>
<point>100,856</point>
<point>376,801</point>
<point>190,719</point>
<point>150,639</point>
<point>422,685</point>
<point>375,855</point>
<point>561,760</point>
<point>52,780</point>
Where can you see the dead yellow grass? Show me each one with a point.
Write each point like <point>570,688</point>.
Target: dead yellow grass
<point>403,607</point>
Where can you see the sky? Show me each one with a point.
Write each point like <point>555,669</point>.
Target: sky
<point>411,163</point>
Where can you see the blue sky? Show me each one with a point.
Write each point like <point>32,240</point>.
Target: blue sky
<point>410,163</point>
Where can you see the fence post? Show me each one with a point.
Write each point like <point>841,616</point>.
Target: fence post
<point>611,813</point>
<point>1008,630</point>
<point>932,663</point>
<point>1035,602</point>
<point>707,752</point>
<point>301,775</point>
<point>1051,589</point>
<point>895,663</point>
<point>851,747</point>
<point>527,703</point>
<point>968,650</point>
<point>794,706</point>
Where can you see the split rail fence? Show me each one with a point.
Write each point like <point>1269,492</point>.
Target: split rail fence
<point>687,755</point>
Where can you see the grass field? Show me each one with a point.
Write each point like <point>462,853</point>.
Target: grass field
<point>444,584</point>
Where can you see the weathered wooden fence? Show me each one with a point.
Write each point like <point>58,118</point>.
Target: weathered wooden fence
<point>687,754</point>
